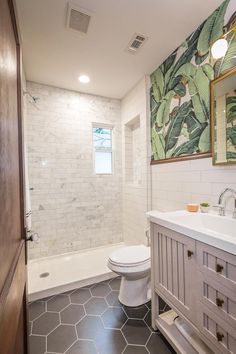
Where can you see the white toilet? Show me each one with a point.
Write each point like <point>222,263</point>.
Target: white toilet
<point>133,264</point>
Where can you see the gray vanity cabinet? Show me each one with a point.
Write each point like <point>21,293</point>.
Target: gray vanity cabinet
<point>174,267</point>
<point>198,282</point>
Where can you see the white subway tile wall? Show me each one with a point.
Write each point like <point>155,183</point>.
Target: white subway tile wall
<point>136,165</point>
<point>178,183</point>
<point>72,208</point>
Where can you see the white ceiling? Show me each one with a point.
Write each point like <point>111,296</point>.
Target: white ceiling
<point>55,55</point>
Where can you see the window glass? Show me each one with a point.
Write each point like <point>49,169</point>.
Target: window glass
<point>102,143</point>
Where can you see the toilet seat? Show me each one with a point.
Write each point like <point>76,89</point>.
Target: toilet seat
<point>130,256</point>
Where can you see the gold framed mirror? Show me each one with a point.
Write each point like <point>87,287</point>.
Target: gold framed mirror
<point>223,118</point>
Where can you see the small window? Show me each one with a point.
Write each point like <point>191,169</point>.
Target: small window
<point>102,143</point>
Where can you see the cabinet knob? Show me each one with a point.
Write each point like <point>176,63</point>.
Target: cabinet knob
<point>219,268</point>
<point>219,336</point>
<point>219,302</point>
<point>189,253</point>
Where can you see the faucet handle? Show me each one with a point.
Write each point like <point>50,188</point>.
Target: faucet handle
<point>221,209</point>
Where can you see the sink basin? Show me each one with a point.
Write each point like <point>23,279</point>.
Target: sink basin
<point>218,231</point>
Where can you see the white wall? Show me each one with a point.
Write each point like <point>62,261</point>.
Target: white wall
<point>178,183</point>
<point>72,208</point>
<point>134,157</point>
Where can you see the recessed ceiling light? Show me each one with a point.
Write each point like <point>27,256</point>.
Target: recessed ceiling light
<point>84,79</point>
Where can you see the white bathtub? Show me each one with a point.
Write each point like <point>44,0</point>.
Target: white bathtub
<point>68,271</point>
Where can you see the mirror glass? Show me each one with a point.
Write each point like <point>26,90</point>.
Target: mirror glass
<point>223,118</point>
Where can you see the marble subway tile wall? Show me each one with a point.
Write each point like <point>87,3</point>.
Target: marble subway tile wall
<point>72,208</point>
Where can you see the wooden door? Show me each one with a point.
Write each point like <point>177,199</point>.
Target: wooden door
<point>13,334</point>
<point>173,268</point>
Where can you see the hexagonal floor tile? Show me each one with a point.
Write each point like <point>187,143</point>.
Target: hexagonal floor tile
<point>136,332</point>
<point>136,312</point>
<point>36,309</point>
<point>80,296</point>
<point>83,347</point>
<point>158,341</point>
<point>115,283</point>
<point>61,339</point>
<point>112,299</point>
<point>114,317</point>
<point>58,303</point>
<point>163,306</point>
<point>72,314</point>
<point>95,306</point>
<point>89,327</point>
<point>101,289</point>
<point>45,323</point>
<point>110,341</point>
<point>135,349</point>
<point>37,344</point>
<point>148,319</point>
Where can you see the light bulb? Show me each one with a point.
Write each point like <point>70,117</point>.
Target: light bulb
<point>219,48</point>
<point>84,79</point>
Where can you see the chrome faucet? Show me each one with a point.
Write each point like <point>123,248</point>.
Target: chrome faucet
<point>221,206</point>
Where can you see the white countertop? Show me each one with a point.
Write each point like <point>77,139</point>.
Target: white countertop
<point>214,230</point>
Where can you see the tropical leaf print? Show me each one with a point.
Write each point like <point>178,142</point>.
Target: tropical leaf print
<point>212,29</point>
<point>231,108</point>
<point>180,92</point>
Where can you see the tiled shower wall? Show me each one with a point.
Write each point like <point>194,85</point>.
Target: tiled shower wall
<point>72,208</point>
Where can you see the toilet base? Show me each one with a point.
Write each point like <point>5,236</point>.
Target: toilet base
<point>135,292</point>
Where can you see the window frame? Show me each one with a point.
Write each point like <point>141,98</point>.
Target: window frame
<point>111,150</point>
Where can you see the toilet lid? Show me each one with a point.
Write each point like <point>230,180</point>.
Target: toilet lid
<point>131,255</point>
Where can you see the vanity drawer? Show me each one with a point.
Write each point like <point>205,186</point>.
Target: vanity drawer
<point>216,330</point>
<point>219,299</point>
<point>219,265</point>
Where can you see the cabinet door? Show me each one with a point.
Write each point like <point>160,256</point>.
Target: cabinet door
<point>174,268</point>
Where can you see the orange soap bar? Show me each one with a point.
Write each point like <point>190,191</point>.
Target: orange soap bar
<point>193,208</point>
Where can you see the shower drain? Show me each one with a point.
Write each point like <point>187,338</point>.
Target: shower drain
<point>44,275</point>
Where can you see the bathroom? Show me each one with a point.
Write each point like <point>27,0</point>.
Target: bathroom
<point>118,177</point>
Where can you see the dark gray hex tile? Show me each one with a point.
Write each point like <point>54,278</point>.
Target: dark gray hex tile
<point>148,319</point>
<point>72,314</point>
<point>136,312</point>
<point>83,347</point>
<point>37,344</point>
<point>112,299</point>
<point>80,296</point>
<point>158,341</point>
<point>36,309</point>
<point>61,339</point>
<point>110,341</point>
<point>136,332</point>
<point>101,289</point>
<point>149,305</point>
<point>58,303</point>
<point>163,306</point>
<point>95,306</point>
<point>114,317</point>
<point>134,349</point>
<point>89,327</point>
<point>115,283</point>
<point>45,323</point>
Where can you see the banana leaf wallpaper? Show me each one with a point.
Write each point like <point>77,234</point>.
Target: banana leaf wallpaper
<point>231,127</point>
<point>180,92</point>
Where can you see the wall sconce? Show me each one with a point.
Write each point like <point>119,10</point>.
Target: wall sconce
<point>219,47</point>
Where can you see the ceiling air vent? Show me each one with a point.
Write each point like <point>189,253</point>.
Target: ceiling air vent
<point>136,42</point>
<point>78,19</point>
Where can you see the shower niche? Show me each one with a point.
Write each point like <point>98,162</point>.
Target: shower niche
<point>133,151</point>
